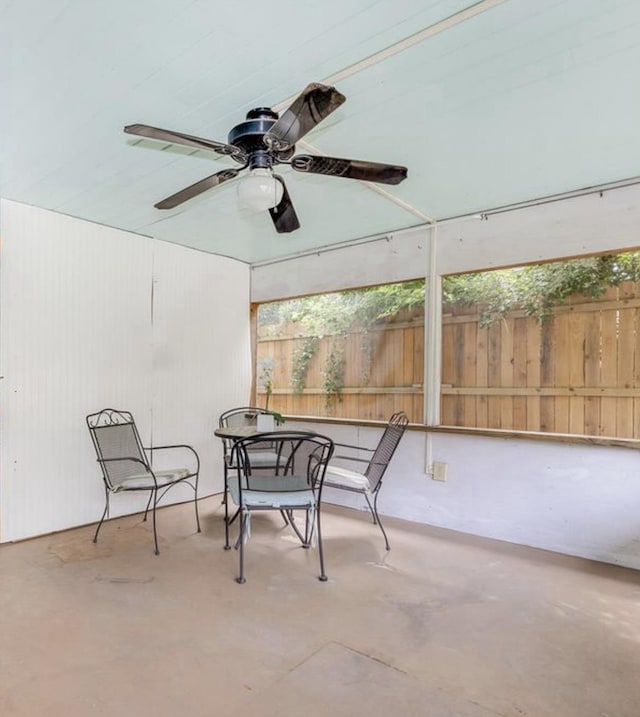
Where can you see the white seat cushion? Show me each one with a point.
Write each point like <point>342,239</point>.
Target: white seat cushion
<point>338,477</point>
<point>269,499</point>
<point>145,480</point>
<point>278,491</point>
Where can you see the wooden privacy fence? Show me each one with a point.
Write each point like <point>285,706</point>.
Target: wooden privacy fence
<point>577,372</point>
<point>383,369</point>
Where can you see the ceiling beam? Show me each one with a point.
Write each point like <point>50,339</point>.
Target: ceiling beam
<point>402,45</point>
<point>376,188</point>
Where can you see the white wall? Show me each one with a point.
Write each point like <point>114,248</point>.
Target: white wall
<point>376,262</point>
<point>92,317</point>
<point>575,499</point>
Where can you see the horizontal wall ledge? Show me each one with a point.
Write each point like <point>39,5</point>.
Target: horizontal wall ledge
<point>566,438</point>
<point>538,436</point>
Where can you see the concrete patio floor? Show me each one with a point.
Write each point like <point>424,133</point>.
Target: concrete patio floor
<point>444,625</point>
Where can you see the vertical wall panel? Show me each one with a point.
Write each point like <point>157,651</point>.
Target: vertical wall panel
<point>81,329</point>
<point>201,350</point>
<point>75,338</point>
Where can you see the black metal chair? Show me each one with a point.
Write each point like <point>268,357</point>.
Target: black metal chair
<point>369,481</point>
<point>266,456</point>
<point>126,466</point>
<point>295,484</point>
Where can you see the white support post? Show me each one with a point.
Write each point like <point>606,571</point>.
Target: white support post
<point>432,352</point>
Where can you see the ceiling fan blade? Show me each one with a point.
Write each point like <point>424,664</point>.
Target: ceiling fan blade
<point>284,215</point>
<point>314,104</point>
<point>192,191</point>
<point>350,168</point>
<point>166,135</point>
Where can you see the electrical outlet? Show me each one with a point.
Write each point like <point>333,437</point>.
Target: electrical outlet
<point>439,471</point>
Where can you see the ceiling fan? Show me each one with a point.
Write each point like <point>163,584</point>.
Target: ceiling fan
<point>265,140</point>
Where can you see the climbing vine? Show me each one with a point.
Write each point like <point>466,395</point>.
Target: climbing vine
<point>301,360</point>
<point>367,351</point>
<point>334,374</point>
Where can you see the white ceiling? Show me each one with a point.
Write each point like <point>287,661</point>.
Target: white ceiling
<point>486,103</point>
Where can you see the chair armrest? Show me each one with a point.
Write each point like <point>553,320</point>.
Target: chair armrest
<point>357,448</point>
<point>124,458</point>
<point>353,448</point>
<point>350,458</point>
<point>179,446</point>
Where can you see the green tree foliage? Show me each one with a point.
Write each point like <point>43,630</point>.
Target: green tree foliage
<point>337,313</point>
<point>537,288</point>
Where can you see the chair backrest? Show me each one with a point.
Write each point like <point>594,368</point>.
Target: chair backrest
<point>244,416</point>
<point>238,417</point>
<point>118,446</point>
<point>386,448</point>
<point>301,455</point>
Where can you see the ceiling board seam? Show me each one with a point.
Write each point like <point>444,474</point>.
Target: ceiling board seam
<point>402,45</point>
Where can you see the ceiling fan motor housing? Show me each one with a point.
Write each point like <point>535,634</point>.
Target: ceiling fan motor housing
<point>248,135</point>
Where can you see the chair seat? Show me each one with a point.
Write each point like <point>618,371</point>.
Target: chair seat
<point>145,480</point>
<point>286,491</point>
<point>268,499</point>
<point>345,478</point>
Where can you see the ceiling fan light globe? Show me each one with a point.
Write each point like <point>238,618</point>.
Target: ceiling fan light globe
<point>259,191</point>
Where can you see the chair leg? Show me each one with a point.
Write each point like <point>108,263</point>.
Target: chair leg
<point>291,521</point>
<point>155,534</point>
<point>323,576</point>
<point>147,508</point>
<point>225,500</point>
<point>195,503</point>
<point>377,519</point>
<point>243,526</point>
<point>104,515</point>
<point>371,508</point>
<point>309,527</point>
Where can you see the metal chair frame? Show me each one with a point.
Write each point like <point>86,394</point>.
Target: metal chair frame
<point>137,464</point>
<point>293,447</point>
<point>242,416</point>
<point>376,465</point>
